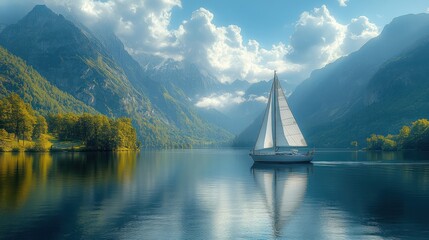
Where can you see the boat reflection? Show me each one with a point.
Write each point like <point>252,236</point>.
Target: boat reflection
<point>283,186</point>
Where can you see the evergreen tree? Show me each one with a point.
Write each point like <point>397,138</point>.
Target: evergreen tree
<point>40,128</point>
<point>17,117</point>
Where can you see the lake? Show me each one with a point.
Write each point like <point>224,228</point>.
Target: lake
<point>213,194</point>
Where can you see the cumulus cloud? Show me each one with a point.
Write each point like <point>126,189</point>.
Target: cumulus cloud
<point>316,38</point>
<point>255,98</point>
<point>359,31</point>
<point>343,3</point>
<point>219,101</point>
<point>222,50</point>
<point>319,38</point>
<point>223,101</point>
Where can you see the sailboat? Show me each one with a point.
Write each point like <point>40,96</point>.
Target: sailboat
<point>279,130</point>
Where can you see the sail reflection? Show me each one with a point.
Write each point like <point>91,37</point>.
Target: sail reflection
<point>283,187</point>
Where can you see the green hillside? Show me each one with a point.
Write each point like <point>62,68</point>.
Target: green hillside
<point>17,77</point>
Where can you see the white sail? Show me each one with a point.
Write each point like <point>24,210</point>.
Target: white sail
<point>265,137</point>
<point>287,130</point>
<point>279,128</point>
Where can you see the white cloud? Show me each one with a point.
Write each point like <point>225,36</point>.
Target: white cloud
<point>261,99</point>
<point>316,38</point>
<point>217,101</point>
<point>319,39</point>
<point>221,49</point>
<point>359,31</point>
<point>226,100</point>
<point>427,10</point>
<point>343,3</point>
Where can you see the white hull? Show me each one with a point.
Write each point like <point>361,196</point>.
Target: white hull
<point>286,157</point>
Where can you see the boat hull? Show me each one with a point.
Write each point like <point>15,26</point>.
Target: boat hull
<point>283,158</point>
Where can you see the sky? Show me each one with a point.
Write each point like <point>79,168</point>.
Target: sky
<point>235,39</point>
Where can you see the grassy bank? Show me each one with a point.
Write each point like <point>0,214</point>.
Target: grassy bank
<point>48,144</point>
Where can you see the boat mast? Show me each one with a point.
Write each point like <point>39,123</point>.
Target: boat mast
<point>275,111</point>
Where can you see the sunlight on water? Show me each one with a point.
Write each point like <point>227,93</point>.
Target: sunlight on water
<point>213,194</point>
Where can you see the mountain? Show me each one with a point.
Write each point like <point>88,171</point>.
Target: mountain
<point>248,136</point>
<point>103,75</point>
<point>194,81</point>
<point>188,83</point>
<point>132,69</point>
<point>71,59</point>
<point>75,62</point>
<point>368,91</point>
<point>395,96</point>
<point>17,77</point>
<point>169,95</point>
<point>332,92</point>
<point>237,85</point>
<point>344,101</point>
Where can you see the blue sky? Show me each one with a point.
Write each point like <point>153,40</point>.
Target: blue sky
<point>272,21</point>
<point>235,39</point>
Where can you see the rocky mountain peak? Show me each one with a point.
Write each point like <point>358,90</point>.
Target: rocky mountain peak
<point>41,9</point>
<point>40,14</point>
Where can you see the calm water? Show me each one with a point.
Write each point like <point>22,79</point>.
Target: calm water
<point>213,194</point>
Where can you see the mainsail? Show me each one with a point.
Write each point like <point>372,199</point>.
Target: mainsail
<point>279,128</point>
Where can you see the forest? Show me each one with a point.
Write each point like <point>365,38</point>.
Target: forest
<point>413,136</point>
<point>24,129</point>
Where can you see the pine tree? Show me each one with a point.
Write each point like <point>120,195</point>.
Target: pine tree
<point>40,128</point>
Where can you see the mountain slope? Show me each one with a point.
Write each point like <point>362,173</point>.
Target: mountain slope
<point>193,81</point>
<point>132,69</point>
<point>72,60</point>
<point>187,83</point>
<point>249,135</point>
<point>374,90</point>
<point>17,77</point>
<point>170,100</point>
<point>395,96</point>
